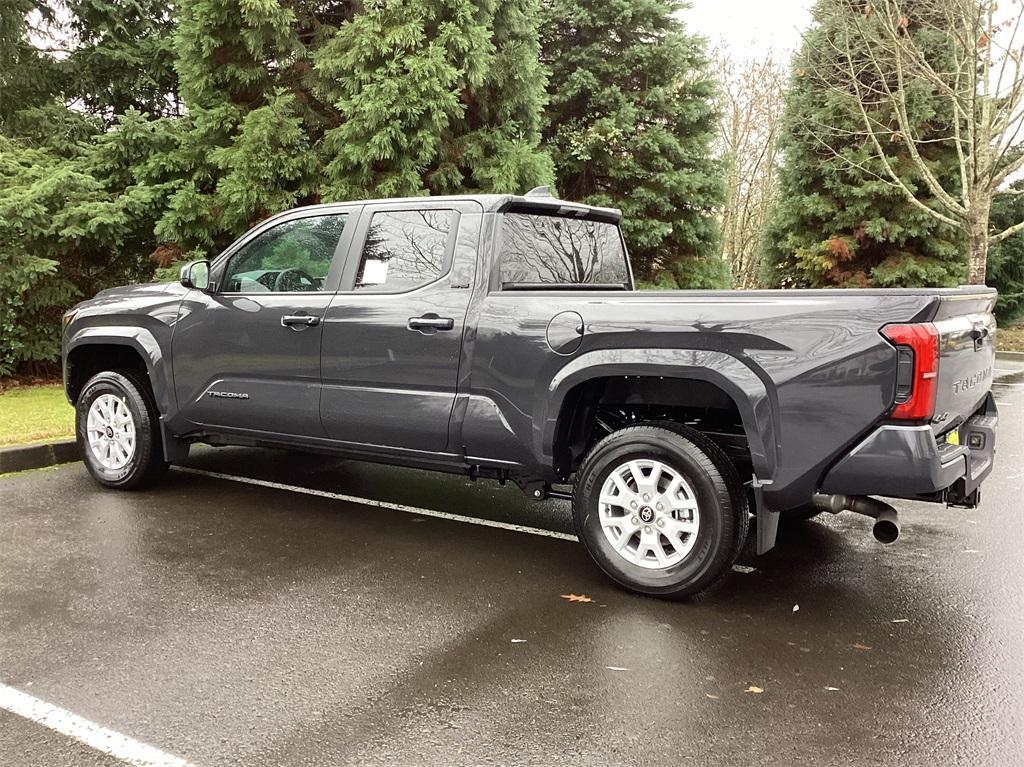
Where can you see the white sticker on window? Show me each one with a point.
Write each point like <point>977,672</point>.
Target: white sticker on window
<point>375,272</point>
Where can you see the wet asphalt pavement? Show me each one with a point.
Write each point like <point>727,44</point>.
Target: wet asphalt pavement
<point>228,623</point>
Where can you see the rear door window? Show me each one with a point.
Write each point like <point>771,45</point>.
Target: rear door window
<point>405,249</point>
<point>552,250</point>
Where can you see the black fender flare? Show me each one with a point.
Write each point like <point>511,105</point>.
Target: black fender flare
<point>142,341</point>
<point>738,380</point>
<point>158,369</point>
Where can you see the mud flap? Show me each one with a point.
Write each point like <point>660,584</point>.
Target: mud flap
<point>175,449</point>
<point>767,521</point>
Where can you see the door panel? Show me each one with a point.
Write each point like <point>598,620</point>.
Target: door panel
<point>390,360</point>
<point>236,366</point>
<point>243,357</point>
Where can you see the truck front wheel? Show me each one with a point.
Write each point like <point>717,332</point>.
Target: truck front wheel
<point>118,431</point>
<point>660,509</point>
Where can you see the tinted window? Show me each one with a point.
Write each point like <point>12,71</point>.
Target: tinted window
<point>404,249</point>
<point>551,250</point>
<point>292,257</point>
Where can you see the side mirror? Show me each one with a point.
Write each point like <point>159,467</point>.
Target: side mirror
<point>196,274</point>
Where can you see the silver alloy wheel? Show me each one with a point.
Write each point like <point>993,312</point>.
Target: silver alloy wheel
<point>649,514</point>
<point>110,430</point>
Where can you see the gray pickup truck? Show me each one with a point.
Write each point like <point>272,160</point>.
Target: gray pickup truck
<point>500,336</point>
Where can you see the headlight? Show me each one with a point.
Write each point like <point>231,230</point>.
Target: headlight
<point>66,319</point>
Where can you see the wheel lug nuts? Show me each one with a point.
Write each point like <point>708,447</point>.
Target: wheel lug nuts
<point>647,497</point>
<point>659,507</point>
<point>632,504</point>
<point>661,523</point>
<point>633,519</point>
<point>647,529</point>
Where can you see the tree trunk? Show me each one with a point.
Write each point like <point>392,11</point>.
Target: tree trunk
<point>977,258</point>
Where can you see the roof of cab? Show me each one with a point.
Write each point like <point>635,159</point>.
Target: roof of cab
<point>538,201</point>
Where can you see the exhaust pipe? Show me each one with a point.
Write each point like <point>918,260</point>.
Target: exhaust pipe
<point>887,526</point>
<point>887,522</point>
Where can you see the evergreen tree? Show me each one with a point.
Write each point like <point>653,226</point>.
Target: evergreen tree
<point>70,225</point>
<point>28,77</point>
<point>630,122</point>
<point>29,283</point>
<point>73,216</point>
<point>435,96</point>
<point>1006,259</point>
<point>246,147</point>
<point>839,222</point>
<point>123,56</point>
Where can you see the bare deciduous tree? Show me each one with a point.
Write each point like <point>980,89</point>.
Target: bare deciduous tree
<point>876,61</point>
<point>752,98</point>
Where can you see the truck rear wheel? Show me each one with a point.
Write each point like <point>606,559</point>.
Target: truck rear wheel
<point>118,433</point>
<point>661,510</point>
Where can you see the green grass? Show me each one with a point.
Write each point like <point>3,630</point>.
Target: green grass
<point>33,414</point>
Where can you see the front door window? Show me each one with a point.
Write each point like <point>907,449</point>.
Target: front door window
<point>292,257</point>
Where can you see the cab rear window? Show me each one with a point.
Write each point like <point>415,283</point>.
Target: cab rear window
<point>543,251</point>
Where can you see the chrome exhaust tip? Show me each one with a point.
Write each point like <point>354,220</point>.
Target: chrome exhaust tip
<point>887,527</point>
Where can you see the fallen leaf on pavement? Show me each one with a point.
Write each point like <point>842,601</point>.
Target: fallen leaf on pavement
<point>859,646</point>
<point>616,668</point>
<point>832,689</point>
<point>796,607</point>
<point>754,689</point>
<point>901,620</point>
<point>709,695</point>
<point>577,597</point>
<point>518,641</point>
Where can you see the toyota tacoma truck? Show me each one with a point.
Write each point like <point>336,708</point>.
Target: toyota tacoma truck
<point>502,337</point>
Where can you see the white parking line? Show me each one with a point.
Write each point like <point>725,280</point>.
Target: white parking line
<point>91,734</point>
<point>401,507</point>
<point>380,504</point>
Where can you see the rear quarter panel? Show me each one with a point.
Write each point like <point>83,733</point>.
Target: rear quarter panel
<point>828,375</point>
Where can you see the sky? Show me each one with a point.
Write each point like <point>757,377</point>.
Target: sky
<point>750,28</point>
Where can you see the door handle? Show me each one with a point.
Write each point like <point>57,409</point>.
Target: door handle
<point>430,323</point>
<point>302,320</point>
<point>978,335</point>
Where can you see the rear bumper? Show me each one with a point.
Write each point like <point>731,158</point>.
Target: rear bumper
<point>906,462</point>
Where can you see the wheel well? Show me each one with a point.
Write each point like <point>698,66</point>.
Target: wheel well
<point>85,361</point>
<point>596,408</point>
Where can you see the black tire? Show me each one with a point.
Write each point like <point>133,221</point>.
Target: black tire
<point>721,497</point>
<point>146,464</point>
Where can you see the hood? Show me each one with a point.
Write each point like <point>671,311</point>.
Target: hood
<point>131,297</point>
<point>144,289</point>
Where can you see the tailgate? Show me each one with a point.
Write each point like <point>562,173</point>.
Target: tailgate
<point>967,355</point>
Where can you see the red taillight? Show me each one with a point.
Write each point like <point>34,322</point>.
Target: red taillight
<point>915,390</point>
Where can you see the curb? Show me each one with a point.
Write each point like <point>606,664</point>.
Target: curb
<point>1010,356</point>
<point>25,457</point>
